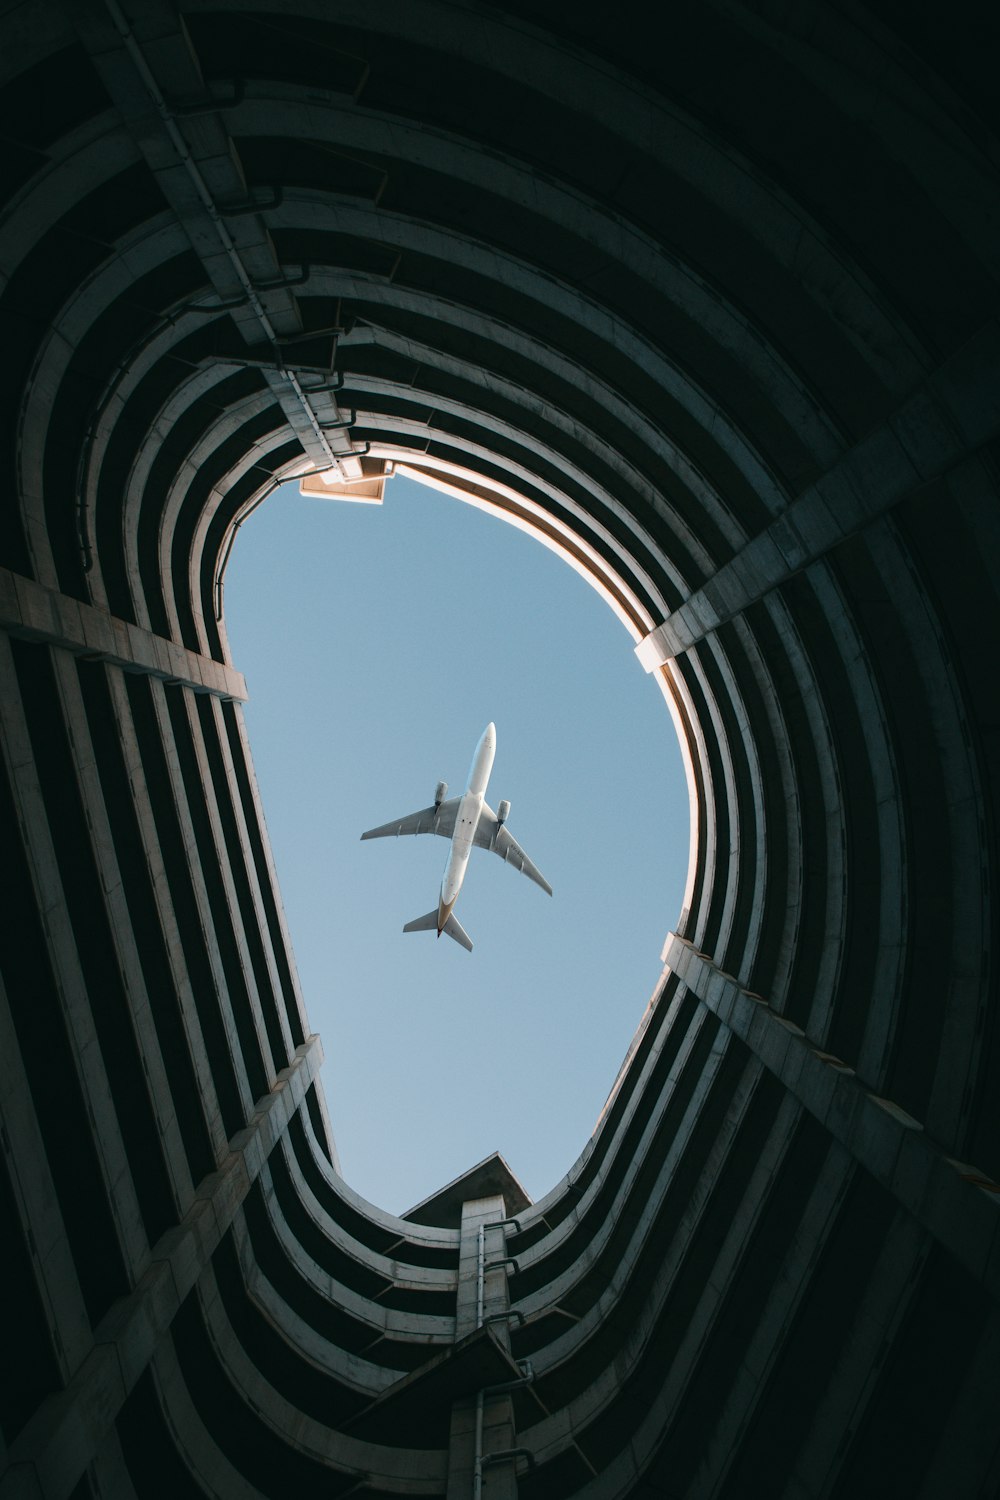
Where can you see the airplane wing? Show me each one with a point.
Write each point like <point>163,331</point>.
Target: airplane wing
<point>490,834</point>
<point>428,820</point>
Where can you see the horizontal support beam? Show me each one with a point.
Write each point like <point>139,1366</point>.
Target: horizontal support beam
<point>53,1451</point>
<point>953,1201</point>
<point>951,415</point>
<point>35,613</point>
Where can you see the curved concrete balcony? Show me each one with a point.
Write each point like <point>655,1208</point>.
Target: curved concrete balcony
<point>714,316</point>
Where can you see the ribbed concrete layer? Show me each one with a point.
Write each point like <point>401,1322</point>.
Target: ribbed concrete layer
<point>718,317</point>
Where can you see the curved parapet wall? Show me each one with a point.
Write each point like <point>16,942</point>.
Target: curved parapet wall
<point>715,314</point>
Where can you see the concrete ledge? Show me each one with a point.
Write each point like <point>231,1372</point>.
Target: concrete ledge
<point>939,425</point>
<point>34,613</point>
<point>951,1200</point>
<point>57,1445</point>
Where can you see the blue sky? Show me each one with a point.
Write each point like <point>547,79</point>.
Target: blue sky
<point>378,642</point>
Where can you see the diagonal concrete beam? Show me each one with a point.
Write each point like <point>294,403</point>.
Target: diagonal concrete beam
<point>55,1448</point>
<point>952,414</point>
<point>951,1200</point>
<point>144,60</point>
<point>35,613</point>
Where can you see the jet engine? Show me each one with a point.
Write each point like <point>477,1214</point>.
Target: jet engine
<point>440,794</point>
<point>503,812</point>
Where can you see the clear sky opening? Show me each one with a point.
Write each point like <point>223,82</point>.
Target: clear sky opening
<point>377,643</point>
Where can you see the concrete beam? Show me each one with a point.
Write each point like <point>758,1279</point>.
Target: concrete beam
<point>34,613</point>
<point>952,414</point>
<point>143,61</point>
<point>53,1451</point>
<point>952,1200</point>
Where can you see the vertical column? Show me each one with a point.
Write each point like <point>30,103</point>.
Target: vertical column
<point>484,1424</point>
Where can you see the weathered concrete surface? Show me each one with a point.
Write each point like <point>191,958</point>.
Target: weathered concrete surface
<point>718,322</point>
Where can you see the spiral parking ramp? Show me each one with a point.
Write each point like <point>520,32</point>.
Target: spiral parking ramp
<point>706,297</point>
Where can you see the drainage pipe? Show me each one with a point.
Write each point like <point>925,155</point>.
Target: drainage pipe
<point>481,1261</point>
<point>480,1462</point>
<point>226,240</point>
<point>477,1475</point>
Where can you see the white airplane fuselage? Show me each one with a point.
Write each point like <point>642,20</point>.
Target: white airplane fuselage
<point>466,823</point>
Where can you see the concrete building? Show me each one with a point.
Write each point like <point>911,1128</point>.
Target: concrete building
<point>707,293</point>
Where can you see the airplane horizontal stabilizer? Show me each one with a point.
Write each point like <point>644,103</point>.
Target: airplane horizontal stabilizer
<point>454,929</point>
<point>423,924</point>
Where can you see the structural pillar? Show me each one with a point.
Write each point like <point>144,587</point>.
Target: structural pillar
<point>483,1425</point>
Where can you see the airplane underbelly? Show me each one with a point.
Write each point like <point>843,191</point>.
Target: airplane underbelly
<point>466,822</point>
<point>454,873</point>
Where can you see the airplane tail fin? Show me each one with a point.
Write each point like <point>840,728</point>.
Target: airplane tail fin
<point>452,927</point>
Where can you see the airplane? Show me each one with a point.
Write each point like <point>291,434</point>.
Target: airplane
<point>466,820</point>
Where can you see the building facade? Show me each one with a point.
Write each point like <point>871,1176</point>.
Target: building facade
<point>707,296</point>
